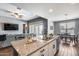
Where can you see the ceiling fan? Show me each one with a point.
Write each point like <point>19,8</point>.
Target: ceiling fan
<point>15,14</point>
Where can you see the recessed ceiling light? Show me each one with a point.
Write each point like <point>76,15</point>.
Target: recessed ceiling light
<point>50,10</point>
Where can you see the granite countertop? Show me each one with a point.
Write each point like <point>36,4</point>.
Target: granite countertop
<point>24,49</point>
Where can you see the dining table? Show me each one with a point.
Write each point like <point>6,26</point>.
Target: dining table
<point>71,37</point>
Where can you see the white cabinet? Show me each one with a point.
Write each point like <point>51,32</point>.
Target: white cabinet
<point>48,50</point>
<point>52,48</point>
<point>44,51</point>
<point>51,52</point>
<point>41,52</point>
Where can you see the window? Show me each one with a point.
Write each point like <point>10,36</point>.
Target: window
<point>69,27</point>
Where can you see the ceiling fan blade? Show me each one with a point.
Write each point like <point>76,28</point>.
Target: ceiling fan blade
<point>14,14</point>
<point>5,10</point>
<point>20,16</point>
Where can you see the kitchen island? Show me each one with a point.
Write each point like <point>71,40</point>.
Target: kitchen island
<point>37,48</point>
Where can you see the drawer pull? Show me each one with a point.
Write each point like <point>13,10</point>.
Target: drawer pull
<point>42,50</point>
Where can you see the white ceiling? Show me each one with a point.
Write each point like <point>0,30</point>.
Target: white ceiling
<point>60,9</point>
<point>9,7</point>
<point>42,9</point>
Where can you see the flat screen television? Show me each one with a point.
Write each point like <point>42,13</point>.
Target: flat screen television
<point>8,26</point>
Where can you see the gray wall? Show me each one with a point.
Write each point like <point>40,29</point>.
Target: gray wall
<point>45,23</point>
<point>11,20</point>
<point>77,26</point>
<point>57,27</point>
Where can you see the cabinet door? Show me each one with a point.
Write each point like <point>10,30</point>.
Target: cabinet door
<point>54,46</point>
<point>51,52</point>
<point>42,52</point>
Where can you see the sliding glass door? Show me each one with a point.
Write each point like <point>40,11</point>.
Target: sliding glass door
<point>39,30</point>
<point>36,28</point>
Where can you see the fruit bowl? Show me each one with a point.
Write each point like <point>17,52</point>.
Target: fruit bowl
<point>30,41</point>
